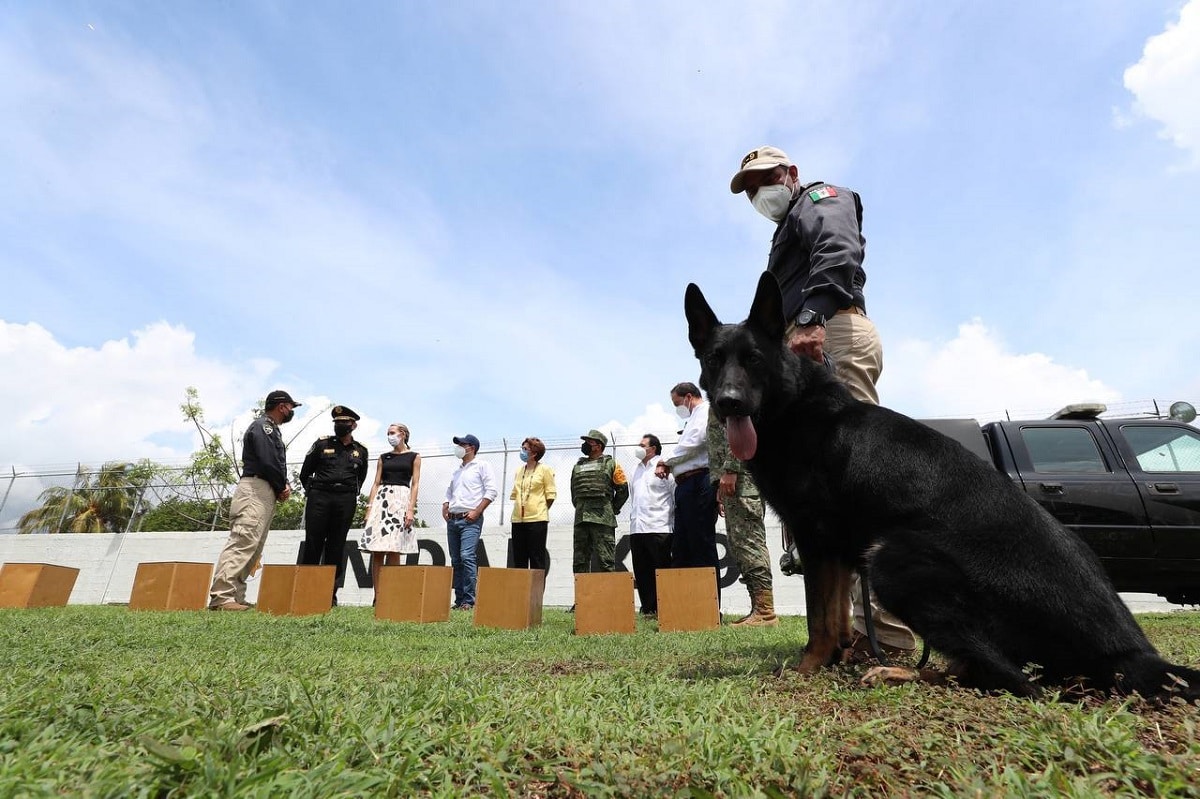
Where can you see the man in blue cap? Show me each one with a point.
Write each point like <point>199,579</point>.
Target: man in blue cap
<point>472,488</point>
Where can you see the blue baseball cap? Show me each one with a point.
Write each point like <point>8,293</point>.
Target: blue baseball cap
<point>467,441</point>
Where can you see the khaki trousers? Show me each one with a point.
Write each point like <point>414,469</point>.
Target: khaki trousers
<point>250,514</point>
<point>854,344</point>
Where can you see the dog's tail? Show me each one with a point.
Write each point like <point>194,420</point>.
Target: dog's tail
<point>1154,678</point>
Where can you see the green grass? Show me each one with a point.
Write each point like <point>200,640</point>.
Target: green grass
<point>103,701</point>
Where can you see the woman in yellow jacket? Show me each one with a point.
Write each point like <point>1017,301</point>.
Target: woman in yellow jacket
<point>532,495</point>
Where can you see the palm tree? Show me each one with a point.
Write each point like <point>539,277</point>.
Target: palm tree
<point>99,502</point>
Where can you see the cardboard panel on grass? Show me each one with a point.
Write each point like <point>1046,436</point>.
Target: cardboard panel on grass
<point>687,600</point>
<point>36,585</point>
<point>171,585</point>
<point>510,599</point>
<point>296,590</point>
<point>604,603</point>
<point>414,593</point>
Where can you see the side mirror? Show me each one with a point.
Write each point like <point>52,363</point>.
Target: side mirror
<point>1183,412</point>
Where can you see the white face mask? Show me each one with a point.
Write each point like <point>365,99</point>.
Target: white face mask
<point>772,201</point>
<point>683,411</point>
<point>394,439</point>
<point>460,451</point>
<point>640,453</point>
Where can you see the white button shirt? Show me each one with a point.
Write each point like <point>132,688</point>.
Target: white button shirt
<point>651,500</point>
<point>470,484</point>
<point>691,452</point>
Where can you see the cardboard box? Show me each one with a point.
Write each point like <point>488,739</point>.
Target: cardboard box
<point>604,603</point>
<point>687,599</point>
<point>36,585</point>
<point>414,593</point>
<point>510,599</point>
<point>171,585</point>
<point>296,590</point>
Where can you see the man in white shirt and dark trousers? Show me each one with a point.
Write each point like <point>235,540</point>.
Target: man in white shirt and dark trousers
<point>472,488</point>
<point>651,519</point>
<point>694,542</point>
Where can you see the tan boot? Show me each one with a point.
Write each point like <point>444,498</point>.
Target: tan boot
<point>762,611</point>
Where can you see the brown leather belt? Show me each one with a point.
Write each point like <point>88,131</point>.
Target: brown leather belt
<point>457,516</point>
<point>854,309</point>
<point>679,478</point>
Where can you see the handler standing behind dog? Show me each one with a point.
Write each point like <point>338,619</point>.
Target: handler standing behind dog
<point>816,255</point>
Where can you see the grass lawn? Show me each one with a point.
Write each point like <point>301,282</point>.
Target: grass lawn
<point>103,701</point>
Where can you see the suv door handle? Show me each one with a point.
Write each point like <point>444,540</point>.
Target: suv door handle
<point>1164,488</point>
<point>1051,488</point>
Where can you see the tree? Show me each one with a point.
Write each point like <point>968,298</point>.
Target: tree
<point>181,514</point>
<point>212,465</point>
<point>98,502</point>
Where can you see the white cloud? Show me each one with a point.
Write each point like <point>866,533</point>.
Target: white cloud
<point>974,374</point>
<point>1166,81</point>
<point>70,404</point>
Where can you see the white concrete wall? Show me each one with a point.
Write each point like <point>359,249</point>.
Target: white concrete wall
<point>107,563</point>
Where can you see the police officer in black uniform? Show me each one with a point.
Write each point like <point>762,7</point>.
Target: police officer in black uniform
<point>332,476</point>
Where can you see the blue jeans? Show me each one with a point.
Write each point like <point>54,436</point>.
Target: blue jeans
<point>462,535</point>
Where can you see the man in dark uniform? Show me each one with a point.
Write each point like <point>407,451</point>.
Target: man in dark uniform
<point>263,483</point>
<point>817,256</point>
<point>332,475</point>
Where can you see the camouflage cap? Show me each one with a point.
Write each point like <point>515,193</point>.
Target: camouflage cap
<point>596,435</point>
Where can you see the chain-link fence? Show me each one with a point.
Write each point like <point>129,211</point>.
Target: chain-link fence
<point>168,498</point>
<point>166,494</point>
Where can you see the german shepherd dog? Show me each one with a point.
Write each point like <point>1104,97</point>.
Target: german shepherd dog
<point>984,575</point>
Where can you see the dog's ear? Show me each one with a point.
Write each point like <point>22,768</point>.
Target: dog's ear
<point>701,319</point>
<point>766,312</point>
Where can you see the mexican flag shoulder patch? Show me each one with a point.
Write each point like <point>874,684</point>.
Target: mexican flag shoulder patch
<point>816,195</point>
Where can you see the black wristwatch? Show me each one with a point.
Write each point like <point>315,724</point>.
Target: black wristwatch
<point>808,317</point>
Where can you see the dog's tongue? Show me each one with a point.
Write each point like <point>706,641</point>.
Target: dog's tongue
<point>742,437</point>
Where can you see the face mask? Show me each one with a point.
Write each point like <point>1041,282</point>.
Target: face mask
<point>640,453</point>
<point>524,456</point>
<point>460,451</point>
<point>683,411</point>
<point>342,428</point>
<point>772,201</point>
<point>287,417</point>
<point>585,448</point>
<point>394,439</point>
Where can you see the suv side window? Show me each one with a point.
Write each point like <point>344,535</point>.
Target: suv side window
<point>1059,450</point>
<point>1164,449</point>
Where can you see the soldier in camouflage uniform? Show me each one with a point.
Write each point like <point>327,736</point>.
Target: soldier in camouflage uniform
<point>598,491</point>
<point>742,508</point>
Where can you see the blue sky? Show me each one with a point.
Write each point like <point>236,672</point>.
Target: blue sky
<point>481,217</point>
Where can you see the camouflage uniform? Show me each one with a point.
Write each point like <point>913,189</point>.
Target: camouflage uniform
<point>598,491</point>
<point>743,519</point>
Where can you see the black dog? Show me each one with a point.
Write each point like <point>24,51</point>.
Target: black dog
<point>954,549</point>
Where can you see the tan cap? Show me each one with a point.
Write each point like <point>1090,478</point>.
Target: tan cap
<point>765,157</point>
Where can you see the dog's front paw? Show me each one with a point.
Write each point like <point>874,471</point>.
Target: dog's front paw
<point>890,675</point>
